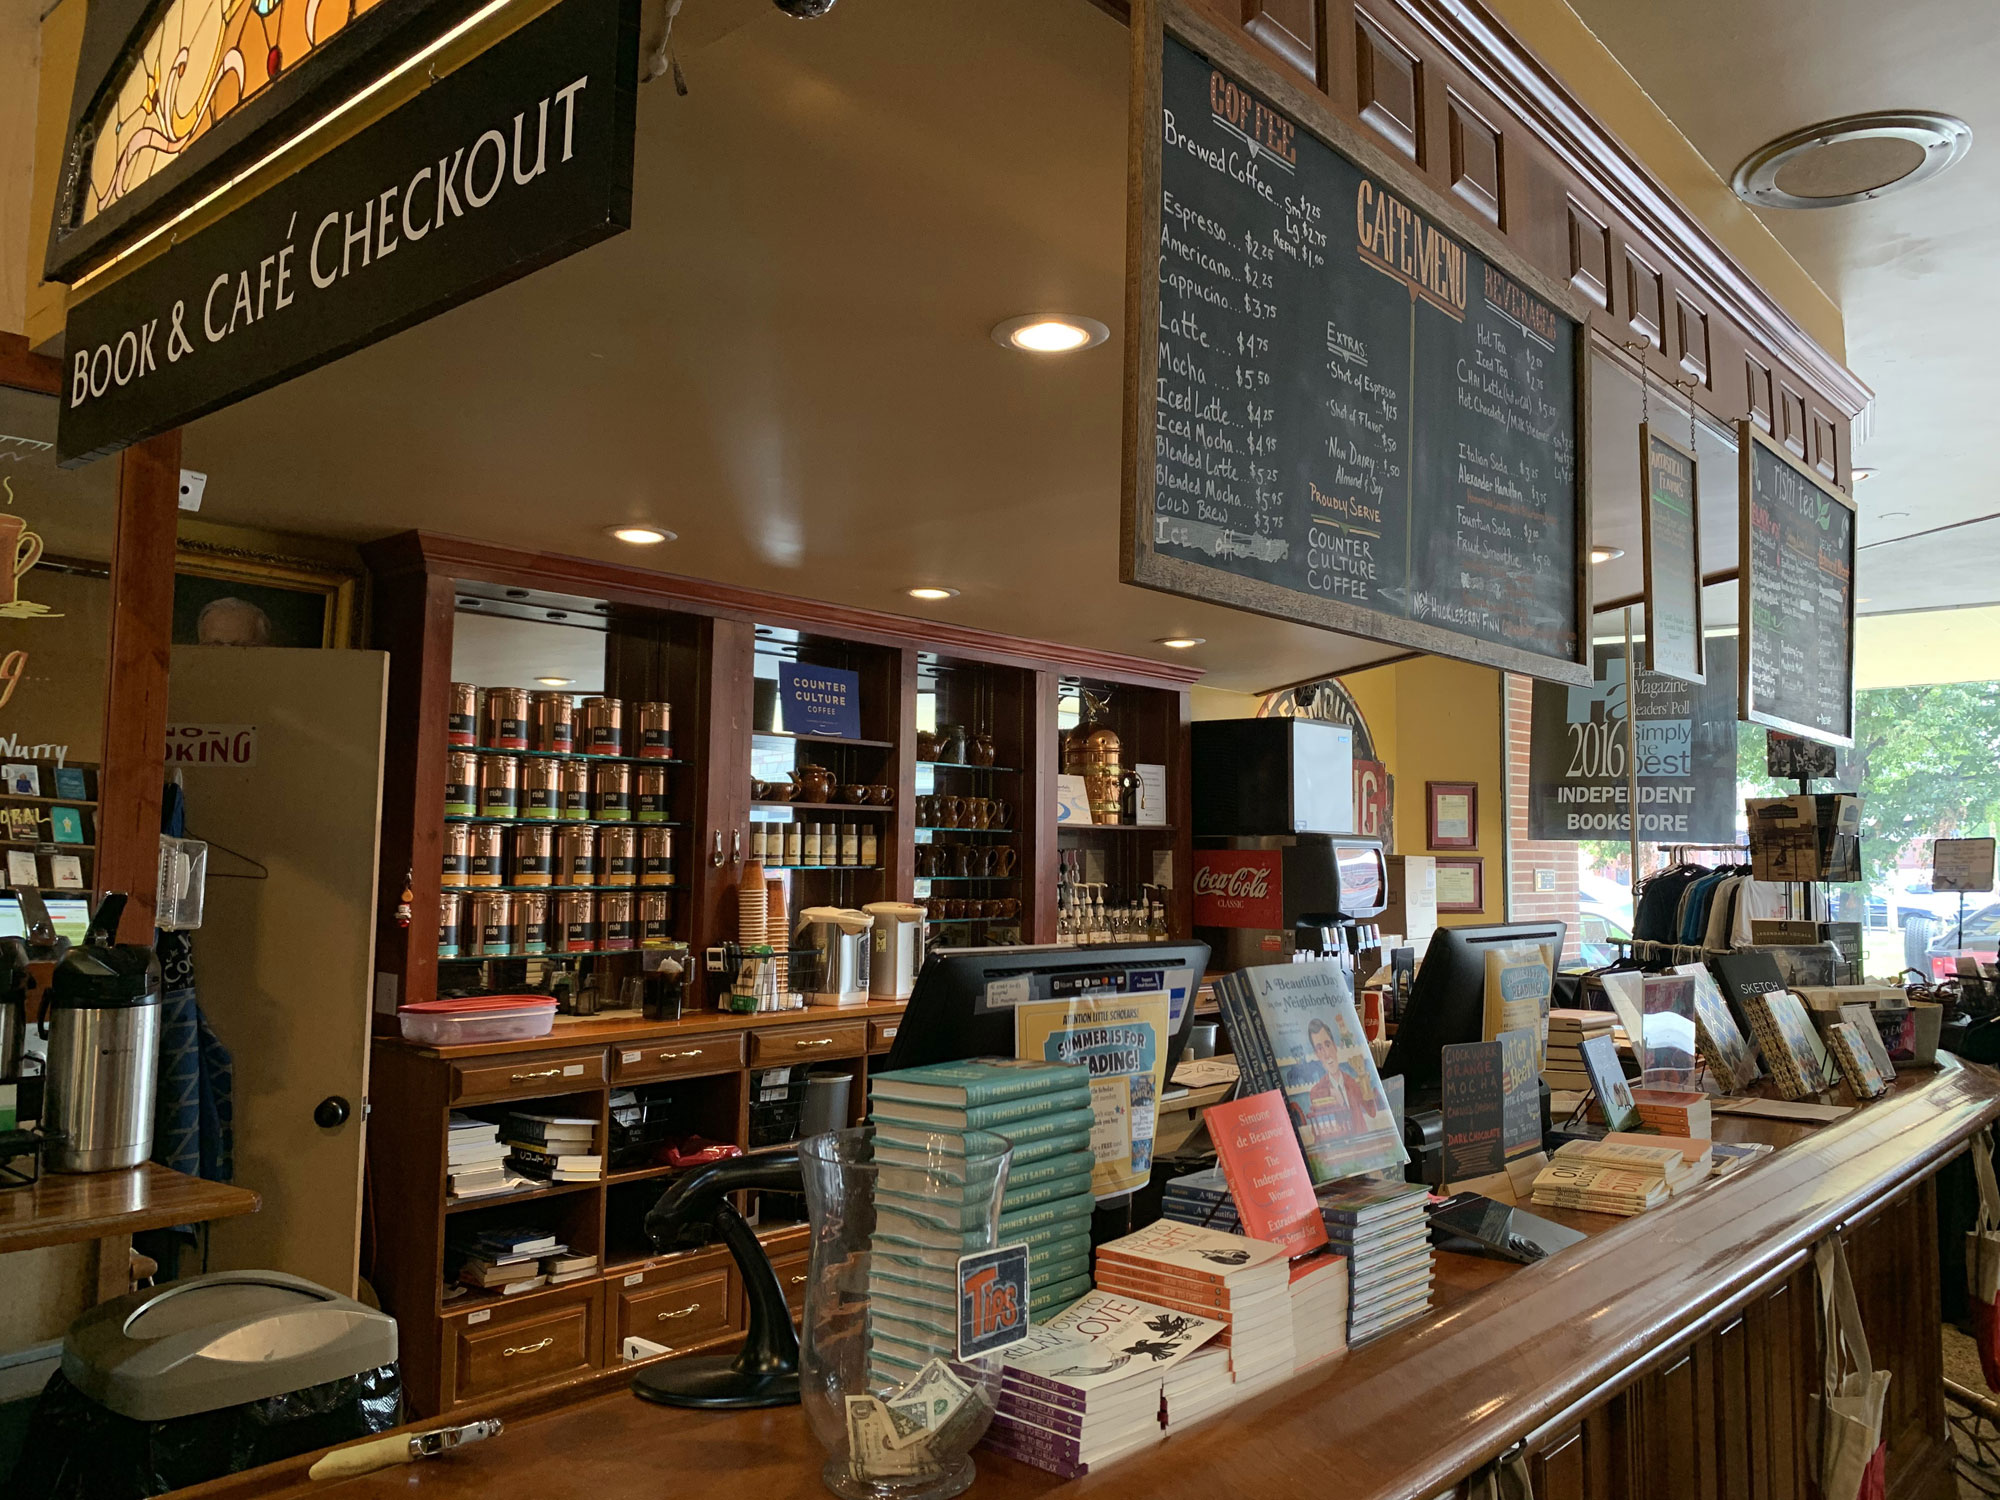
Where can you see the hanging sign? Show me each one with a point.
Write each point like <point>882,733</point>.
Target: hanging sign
<point>1578,746</point>
<point>1347,403</point>
<point>819,700</point>
<point>1795,595</point>
<point>1962,864</point>
<point>1670,523</point>
<point>518,158</point>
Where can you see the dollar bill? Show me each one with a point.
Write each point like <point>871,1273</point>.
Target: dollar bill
<point>924,1405</point>
<point>871,1443</point>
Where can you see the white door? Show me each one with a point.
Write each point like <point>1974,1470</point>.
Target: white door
<point>283,959</point>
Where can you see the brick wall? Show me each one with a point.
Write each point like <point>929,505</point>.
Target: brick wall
<point>1541,874</point>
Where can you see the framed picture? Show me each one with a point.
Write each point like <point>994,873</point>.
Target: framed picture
<point>224,596</point>
<point>1451,814</point>
<point>1461,884</point>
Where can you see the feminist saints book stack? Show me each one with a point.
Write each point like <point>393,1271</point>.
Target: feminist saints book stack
<point>931,1201</point>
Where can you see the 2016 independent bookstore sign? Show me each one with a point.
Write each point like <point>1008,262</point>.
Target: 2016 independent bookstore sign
<point>518,158</point>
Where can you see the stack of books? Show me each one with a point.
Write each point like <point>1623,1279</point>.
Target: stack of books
<point>1068,1405</point>
<point>1382,1229</point>
<point>1674,1112</point>
<point>476,1159</point>
<point>931,1202</point>
<point>1044,1110</point>
<point>566,1267</point>
<point>1791,1047</point>
<point>1087,1387</point>
<point>506,1260</point>
<point>553,1148</point>
<point>1197,1387</point>
<point>1856,1059</point>
<point>1568,1031</point>
<point>1319,1307</point>
<point>1201,1198</point>
<point>1622,1174</point>
<point>1243,1282</point>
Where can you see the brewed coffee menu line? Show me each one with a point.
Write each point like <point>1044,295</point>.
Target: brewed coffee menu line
<point>1350,404</point>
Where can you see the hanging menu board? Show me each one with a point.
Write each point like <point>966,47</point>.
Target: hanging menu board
<point>1795,594</point>
<point>1670,522</point>
<point>1338,410</point>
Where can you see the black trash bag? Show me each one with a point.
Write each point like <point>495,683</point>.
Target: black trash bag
<point>80,1450</point>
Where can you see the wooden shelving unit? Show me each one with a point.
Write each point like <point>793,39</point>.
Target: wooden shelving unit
<point>712,652</point>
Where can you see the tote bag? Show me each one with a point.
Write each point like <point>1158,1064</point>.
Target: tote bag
<point>1848,1425</point>
<point>1982,1262</point>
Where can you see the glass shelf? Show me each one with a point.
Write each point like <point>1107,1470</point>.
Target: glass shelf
<point>839,807</point>
<point>612,760</point>
<point>568,822</point>
<point>963,765</point>
<point>514,958</point>
<point>943,828</point>
<point>1015,876</point>
<point>564,890</point>
<point>819,739</point>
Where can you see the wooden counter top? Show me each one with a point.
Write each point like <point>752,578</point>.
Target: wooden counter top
<point>63,1208</point>
<point>601,1030</point>
<point>1507,1350</point>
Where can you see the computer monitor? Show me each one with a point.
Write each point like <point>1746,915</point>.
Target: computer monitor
<point>1448,1000</point>
<point>70,914</point>
<point>963,1003</point>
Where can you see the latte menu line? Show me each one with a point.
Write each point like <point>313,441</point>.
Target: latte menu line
<point>1338,410</point>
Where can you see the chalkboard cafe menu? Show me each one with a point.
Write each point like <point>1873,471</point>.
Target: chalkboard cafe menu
<point>1351,404</point>
<point>1797,597</point>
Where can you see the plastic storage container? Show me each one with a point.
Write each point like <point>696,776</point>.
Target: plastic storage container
<point>478,1018</point>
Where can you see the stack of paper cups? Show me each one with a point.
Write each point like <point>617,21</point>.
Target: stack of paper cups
<point>751,914</point>
<point>778,930</point>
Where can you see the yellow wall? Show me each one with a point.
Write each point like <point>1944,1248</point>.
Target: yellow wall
<point>1439,720</point>
<point>1220,703</point>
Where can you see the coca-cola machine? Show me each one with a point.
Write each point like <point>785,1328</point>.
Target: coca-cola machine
<point>1270,884</point>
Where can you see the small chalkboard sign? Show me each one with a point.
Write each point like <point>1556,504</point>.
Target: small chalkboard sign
<point>1348,403</point>
<point>1670,523</point>
<point>1795,595</point>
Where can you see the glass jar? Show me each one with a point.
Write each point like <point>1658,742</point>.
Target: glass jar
<point>841,1364</point>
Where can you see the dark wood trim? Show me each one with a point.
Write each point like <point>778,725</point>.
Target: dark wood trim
<point>432,552</point>
<point>130,785</point>
<point>24,370</point>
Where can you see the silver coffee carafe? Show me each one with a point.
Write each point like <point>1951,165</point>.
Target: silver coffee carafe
<point>102,1018</point>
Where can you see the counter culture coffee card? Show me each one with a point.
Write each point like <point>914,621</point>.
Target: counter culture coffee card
<point>1266,1171</point>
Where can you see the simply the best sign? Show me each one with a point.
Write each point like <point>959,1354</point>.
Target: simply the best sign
<point>516,159</point>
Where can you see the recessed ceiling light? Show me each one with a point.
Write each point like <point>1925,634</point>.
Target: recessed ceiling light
<point>1181,642</point>
<point>1606,554</point>
<point>641,536</point>
<point>1050,333</point>
<point>1852,159</point>
<point>555,681</point>
<point>933,594</point>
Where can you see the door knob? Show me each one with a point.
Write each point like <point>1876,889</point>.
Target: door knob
<point>331,1111</point>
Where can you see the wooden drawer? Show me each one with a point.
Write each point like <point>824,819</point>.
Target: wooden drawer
<point>528,1073</point>
<point>543,1340</point>
<point>782,1046</point>
<point>792,1280</point>
<point>634,1062</point>
<point>677,1313</point>
<point>882,1033</point>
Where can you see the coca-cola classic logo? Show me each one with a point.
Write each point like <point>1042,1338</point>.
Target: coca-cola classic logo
<point>1245,883</point>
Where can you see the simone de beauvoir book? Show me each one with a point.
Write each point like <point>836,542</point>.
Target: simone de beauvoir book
<point>1295,1031</point>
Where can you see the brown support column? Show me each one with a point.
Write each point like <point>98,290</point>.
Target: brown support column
<point>135,697</point>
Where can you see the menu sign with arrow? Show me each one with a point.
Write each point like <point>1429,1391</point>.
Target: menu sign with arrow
<point>1670,522</point>
<point>1339,410</point>
<point>1795,595</point>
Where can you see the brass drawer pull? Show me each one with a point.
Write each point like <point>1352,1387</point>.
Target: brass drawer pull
<point>535,1348</point>
<point>689,1052</point>
<point>544,1073</point>
<point>796,1280</point>
<point>691,1308</point>
<point>825,1041</point>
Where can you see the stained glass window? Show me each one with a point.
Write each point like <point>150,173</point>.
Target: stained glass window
<point>201,60</point>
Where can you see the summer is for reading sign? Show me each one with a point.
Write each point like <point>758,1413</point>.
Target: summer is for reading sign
<point>1122,1041</point>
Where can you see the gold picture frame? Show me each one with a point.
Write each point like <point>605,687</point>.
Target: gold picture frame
<point>269,589</point>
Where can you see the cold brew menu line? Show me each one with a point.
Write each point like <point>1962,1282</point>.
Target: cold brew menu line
<point>1796,596</point>
<point>1351,405</point>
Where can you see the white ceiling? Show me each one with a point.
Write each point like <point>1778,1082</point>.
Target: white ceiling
<point>787,359</point>
<point>1916,274</point>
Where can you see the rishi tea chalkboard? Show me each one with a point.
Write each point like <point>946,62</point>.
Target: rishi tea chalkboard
<point>1345,404</point>
<point>1795,595</point>
<point>1670,522</point>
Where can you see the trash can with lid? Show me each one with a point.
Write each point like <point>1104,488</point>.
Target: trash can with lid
<point>186,1382</point>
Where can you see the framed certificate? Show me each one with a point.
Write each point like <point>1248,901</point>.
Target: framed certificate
<point>1461,884</point>
<point>1451,814</point>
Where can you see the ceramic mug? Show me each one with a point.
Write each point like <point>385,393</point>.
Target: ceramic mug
<point>882,794</point>
<point>855,792</point>
<point>965,860</point>
<point>951,812</point>
<point>998,811</point>
<point>1008,908</point>
<point>979,812</point>
<point>926,806</point>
